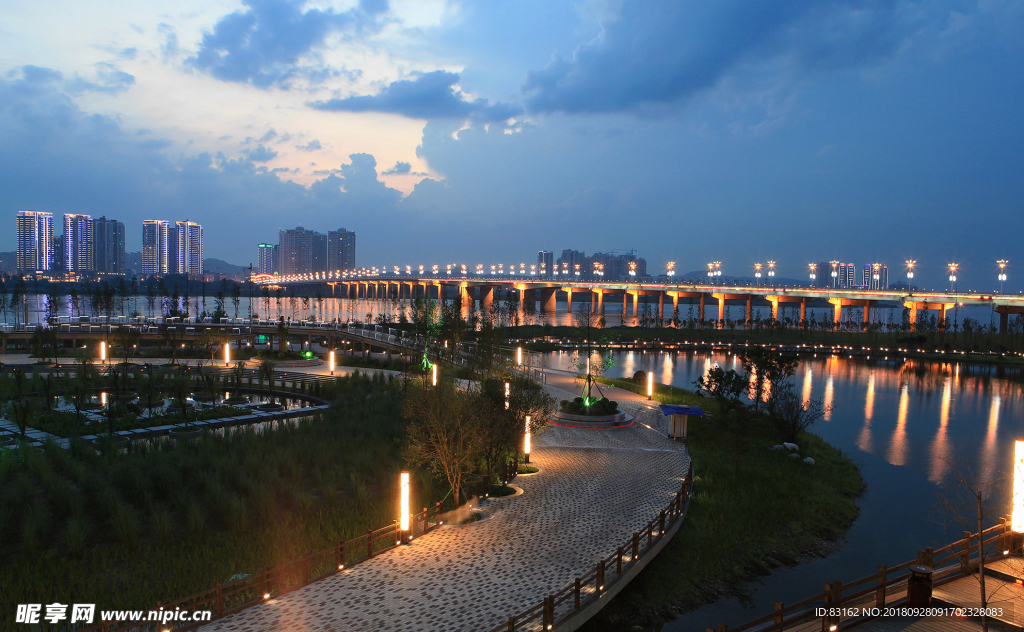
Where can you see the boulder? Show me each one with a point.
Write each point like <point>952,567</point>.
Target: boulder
<point>808,460</point>
<point>778,447</point>
<point>792,447</point>
<point>794,455</point>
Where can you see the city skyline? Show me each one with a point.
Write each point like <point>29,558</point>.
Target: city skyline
<point>789,133</point>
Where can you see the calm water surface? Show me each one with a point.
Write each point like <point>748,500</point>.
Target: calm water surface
<point>901,422</point>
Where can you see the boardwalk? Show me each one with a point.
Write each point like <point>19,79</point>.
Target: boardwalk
<point>596,488</point>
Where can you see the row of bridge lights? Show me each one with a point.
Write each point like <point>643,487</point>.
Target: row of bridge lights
<point>714,271</point>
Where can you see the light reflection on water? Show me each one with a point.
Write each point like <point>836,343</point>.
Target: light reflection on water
<point>904,423</point>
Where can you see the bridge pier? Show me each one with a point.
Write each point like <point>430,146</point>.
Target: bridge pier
<point>1004,312</point>
<point>547,300</point>
<point>568,300</point>
<point>486,297</point>
<point>913,306</point>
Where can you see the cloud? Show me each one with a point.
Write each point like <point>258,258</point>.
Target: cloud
<point>653,54</point>
<point>312,145</point>
<point>109,80</point>
<point>268,136</point>
<point>260,154</point>
<point>429,95</point>
<point>263,45</point>
<point>401,169</point>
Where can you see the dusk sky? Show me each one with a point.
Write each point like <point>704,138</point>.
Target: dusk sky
<point>481,132</point>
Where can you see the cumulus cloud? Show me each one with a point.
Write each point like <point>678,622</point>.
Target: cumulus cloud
<point>109,80</point>
<point>264,44</point>
<point>401,169</point>
<point>312,145</point>
<point>429,95</point>
<point>260,154</point>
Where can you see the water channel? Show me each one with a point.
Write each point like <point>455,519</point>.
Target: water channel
<point>903,423</point>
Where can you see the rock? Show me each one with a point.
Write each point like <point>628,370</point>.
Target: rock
<point>794,456</point>
<point>809,461</point>
<point>778,447</point>
<point>792,447</point>
<point>637,628</point>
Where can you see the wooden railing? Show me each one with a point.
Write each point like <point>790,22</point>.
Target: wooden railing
<point>887,586</point>
<point>558,607</point>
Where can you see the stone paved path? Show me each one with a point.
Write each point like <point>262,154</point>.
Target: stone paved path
<point>597,487</point>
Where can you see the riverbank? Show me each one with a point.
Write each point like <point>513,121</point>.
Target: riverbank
<point>988,348</point>
<point>773,512</point>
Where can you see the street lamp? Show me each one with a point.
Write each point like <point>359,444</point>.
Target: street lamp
<point>835,273</point>
<point>711,274</point>
<point>403,509</point>
<point>771,270</point>
<point>813,268</point>
<point>910,269</point>
<point>718,269</point>
<point>671,266</point>
<point>876,275</point>
<point>527,442</point>
<point>330,360</point>
<point>632,268</point>
<point>757,274</point>
<point>952,275</point>
<point>1002,273</point>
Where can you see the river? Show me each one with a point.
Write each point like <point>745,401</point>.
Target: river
<point>903,423</point>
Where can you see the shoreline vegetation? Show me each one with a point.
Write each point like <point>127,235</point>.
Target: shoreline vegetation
<point>770,512</point>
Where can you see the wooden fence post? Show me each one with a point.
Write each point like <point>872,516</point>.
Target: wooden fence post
<point>778,615</point>
<point>576,596</point>
<point>599,577</point>
<point>965,557</point>
<point>511,624</point>
<point>220,601</point>
<point>661,523</point>
<point>883,572</point>
<point>618,562</point>
<point>305,571</point>
<point>341,555</point>
<point>369,543</point>
<point>636,547</point>
<point>650,531</point>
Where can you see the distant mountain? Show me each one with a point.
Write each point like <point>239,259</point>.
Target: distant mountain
<point>223,267</point>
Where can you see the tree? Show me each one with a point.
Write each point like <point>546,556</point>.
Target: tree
<point>791,415</point>
<point>266,370</point>
<point>236,297</point>
<point>767,367</point>
<point>76,300</point>
<point>126,340</point>
<point>443,430</point>
<point>18,298</point>
<point>502,433</point>
<point>587,321</point>
<point>726,387</point>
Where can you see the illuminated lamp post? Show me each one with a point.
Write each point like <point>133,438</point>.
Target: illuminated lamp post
<point>1017,516</point>
<point>671,265</point>
<point>718,271</point>
<point>814,274</point>
<point>519,356</point>
<point>330,360</point>
<point>403,509</point>
<point>952,276</point>
<point>650,384</point>
<point>757,274</point>
<point>632,268</point>
<point>1002,273</point>
<point>711,274</point>
<point>103,352</point>
<point>835,273</point>
<point>526,442</point>
<point>508,393</point>
<point>227,354</point>
<point>771,270</point>
<point>433,375</point>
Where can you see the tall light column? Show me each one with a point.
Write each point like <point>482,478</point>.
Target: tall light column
<point>1002,273</point>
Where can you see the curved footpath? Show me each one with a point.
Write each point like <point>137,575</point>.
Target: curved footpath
<point>596,488</point>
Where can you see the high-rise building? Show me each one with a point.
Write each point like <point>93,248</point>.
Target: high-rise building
<point>317,252</point>
<point>108,246</point>
<point>35,241</point>
<point>545,263</point>
<point>301,250</point>
<point>266,259</point>
<point>58,255</point>
<point>79,243</point>
<point>156,246</point>
<point>341,250</point>
<point>186,251</point>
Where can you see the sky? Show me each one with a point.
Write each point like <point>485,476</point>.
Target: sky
<point>481,132</point>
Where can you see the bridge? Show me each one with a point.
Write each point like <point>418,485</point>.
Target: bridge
<point>471,288</point>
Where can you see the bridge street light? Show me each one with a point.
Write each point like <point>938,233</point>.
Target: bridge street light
<point>814,275</point>
<point>1002,273</point>
<point>835,273</point>
<point>771,272</point>
<point>757,274</point>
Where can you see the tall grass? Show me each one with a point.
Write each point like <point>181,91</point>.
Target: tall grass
<point>163,520</point>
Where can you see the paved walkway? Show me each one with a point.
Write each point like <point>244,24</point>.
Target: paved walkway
<point>596,488</point>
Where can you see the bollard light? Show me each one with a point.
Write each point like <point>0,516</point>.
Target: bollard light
<point>519,356</point>
<point>227,354</point>
<point>650,384</point>
<point>403,516</point>
<point>103,351</point>
<point>508,391</point>
<point>330,360</point>
<point>526,441</point>
<point>433,374</point>
<point>1017,518</point>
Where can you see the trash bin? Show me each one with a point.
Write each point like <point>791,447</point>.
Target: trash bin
<point>919,587</point>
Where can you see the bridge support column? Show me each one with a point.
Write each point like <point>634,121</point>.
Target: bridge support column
<point>750,301</point>
<point>838,313</point>
<point>675,305</point>
<point>661,309</point>
<point>600,301</point>
<point>568,300</point>
<point>702,296</point>
<point>803,314</point>
<point>721,312</point>
<point>486,297</point>
<point>636,305</point>
<point>547,300</point>
<point>867,315</point>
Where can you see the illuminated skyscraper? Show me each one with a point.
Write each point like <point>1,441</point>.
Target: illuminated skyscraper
<point>186,248</point>
<point>108,246</point>
<point>79,243</point>
<point>35,241</point>
<point>155,246</point>
<point>341,249</point>
<point>266,259</point>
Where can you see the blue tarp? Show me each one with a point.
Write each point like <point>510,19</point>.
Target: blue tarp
<point>667,409</point>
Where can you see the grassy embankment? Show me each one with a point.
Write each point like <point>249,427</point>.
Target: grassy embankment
<point>742,524</point>
<point>165,520</point>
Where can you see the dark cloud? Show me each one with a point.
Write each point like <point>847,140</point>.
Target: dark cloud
<point>260,154</point>
<point>430,95</point>
<point>657,53</point>
<point>263,44</point>
<point>401,169</point>
<point>312,145</point>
